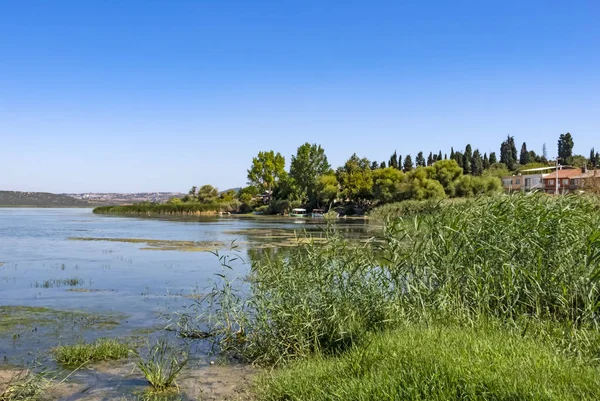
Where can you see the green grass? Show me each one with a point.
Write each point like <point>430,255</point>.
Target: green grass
<point>162,365</point>
<point>104,349</point>
<point>25,386</point>
<point>168,209</point>
<point>437,363</point>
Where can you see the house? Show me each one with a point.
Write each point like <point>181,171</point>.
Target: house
<point>563,181</point>
<point>528,182</point>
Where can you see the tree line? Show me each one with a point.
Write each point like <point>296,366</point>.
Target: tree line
<point>312,182</point>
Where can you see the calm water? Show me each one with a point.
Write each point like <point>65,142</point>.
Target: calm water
<point>134,286</point>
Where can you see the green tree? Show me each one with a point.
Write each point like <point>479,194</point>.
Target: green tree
<point>498,170</point>
<point>430,159</point>
<point>385,184</point>
<point>382,165</point>
<point>408,164</point>
<point>524,156</point>
<point>192,192</point>
<point>207,194</point>
<point>493,158</point>
<point>420,160</point>
<point>374,165</point>
<point>486,161</point>
<point>422,187</point>
<point>393,160</point>
<point>446,172</point>
<point>565,147</point>
<point>287,188</point>
<point>508,152</point>
<point>467,158</point>
<point>228,196</point>
<point>476,163</point>
<point>327,189</point>
<point>356,179</point>
<point>306,166</point>
<point>593,161</point>
<point>266,169</point>
<point>452,154</point>
<point>439,156</point>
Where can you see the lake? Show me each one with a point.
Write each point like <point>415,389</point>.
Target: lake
<point>119,276</point>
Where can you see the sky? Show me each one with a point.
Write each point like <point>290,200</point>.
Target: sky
<point>135,96</point>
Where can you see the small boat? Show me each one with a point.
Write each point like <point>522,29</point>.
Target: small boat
<point>298,212</point>
<point>318,213</point>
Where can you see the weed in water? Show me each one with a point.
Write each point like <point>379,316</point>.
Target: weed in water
<point>162,365</point>
<point>25,386</point>
<point>101,350</point>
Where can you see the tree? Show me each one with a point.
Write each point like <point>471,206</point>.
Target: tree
<point>192,191</point>
<point>452,155</point>
<point>356,179</point>
<point>306,166</point>
<point>287,188</point>
<point>422,187</point>
<point>508,152</point>
<point>524,156</point>
<point>420,160</point>
<point>486,161</point>
<point>467,156</point>
<point>393,160</point>
<point>439,156</point>
<point>400,162</point>
<point>430,159</point>
<point>593,161</point>
<point>544,152</point>
<point>385,184</point>
<point>207,194</point>
<point>327,189</point>
<point>408,164</point>
<point>493,159</point>
<point>458,157</point>
<point>565,147</point>
<point>446,172</point>
<point>476,163</point>
<point>374,165</point>
<point>266,169</point>
<point>382,165</point>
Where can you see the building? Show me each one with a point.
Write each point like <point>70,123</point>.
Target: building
<point>528,182</point>
<point>568,181</point>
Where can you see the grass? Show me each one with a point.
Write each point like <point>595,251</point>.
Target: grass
<point>100,350</point>
<point>168,209</point>
<point>515,277</point>
<point>71,282</point>
<point>162,365</point>
<point>25,386</point>
<point>437,363</point>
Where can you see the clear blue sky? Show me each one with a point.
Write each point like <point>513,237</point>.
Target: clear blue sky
<point>162,95</point>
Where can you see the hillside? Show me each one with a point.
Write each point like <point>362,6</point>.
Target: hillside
<point>39,199</point>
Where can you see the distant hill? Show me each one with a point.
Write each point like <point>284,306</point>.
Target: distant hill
<point>39,199</point>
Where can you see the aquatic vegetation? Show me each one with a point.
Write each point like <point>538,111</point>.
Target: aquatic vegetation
<point>103,349</point>
<point>162,245</point>
<point>162,365</point>
<point>438,362</point>
<point>25,385</point>
<point>529,262</point>
<point>150,209</point>
<point>27,318</point>
<point>72,282</point>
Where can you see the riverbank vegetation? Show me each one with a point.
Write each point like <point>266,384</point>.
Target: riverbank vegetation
<point>452,304</point>
<point>104,349</point>
<point>361,184</point>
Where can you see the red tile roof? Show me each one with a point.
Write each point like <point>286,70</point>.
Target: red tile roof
<point>571,173</point>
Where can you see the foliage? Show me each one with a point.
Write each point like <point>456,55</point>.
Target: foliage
<point>447,173</point>
<point>565,147</point>
<point>266,169</point>
<point>355,178</point>
<point>508,152</point>
<point>437,362</point>
<point>386,184</point>
<point>166,209</point>
<point>497,170</point>
<point>307,165</point>
<point>25,385</point>
<point>101,350</point>
<point>162,365</point>
<point>327,189</point>
<point>422,187</point>
<point>207,194</point>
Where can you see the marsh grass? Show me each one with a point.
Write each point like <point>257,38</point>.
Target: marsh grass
<point>104,349</point>
<point>527,263</point>
<point>437,363</point>
<point>71,282</point>
<point>161,365</point>
<point>25,386</point>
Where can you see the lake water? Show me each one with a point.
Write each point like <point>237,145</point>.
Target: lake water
<point>128,272</point>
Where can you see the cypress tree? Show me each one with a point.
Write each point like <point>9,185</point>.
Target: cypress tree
<point>430,159</point>
<point>486,162</point>
<point>382,165</point>
<point>467,160</point>
<point>439,155</point>
<point>420,160</point>
<point>524,156</point>
<point>476,163</point>
<point>493,158</point>
<point>374,165</point>
<point>452,155</point>
<point>408,165</point>
<point>593,160</point>
<point>393,160</point>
